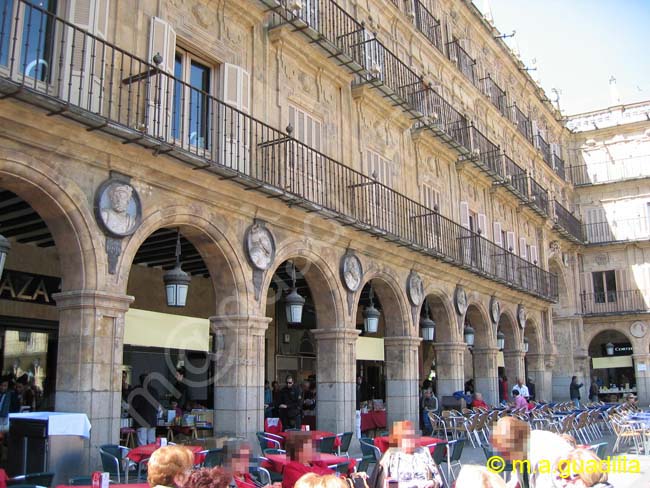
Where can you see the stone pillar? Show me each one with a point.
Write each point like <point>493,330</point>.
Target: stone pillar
<point>513,362</point>
<point>642,377</point>
<point>89,360</point>
<point>450,375</point>
<point>336,370</point>
<point>402,396</point>
<point>239,375</point>
<point>485,374</point>
<point>540,375</point>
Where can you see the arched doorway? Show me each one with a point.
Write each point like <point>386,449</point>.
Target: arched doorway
<point>481,359</point>
<point>536,372</point>
<point>611,366</point>
<point>391,380</point>
<point>511,357</point>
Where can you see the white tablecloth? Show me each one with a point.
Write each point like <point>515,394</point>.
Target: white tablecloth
<point>59,423</point>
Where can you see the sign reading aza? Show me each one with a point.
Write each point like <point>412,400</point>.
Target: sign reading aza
<point>28,287</point>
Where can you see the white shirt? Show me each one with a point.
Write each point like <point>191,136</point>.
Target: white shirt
<point>523,390</point>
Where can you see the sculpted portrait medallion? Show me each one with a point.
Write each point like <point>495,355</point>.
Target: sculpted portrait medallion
<point>117,208</point>
<point>351,271</point>
<point>260,246</point>
<point>495,310</point>
<point>521,316</point>
<point>415,288</point>
<point>460,298</point>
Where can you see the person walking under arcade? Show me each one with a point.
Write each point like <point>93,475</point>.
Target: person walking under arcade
<point>290,404</point>
<point>574,391</point>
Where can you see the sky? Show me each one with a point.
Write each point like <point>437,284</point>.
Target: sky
<point>578,45</point>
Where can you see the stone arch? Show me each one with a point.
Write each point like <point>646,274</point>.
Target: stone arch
<point>566,297</point>
<point>443,313</point>
<point>508,325</point>
<point>213,241</point>
<point>391,294</point>
<point>484,354</point>
<point>484,334</point>
<point>321,278</point>
<point>533,332</point>
<point>593,331</point>
<point>61,204</point>
<point>535,362</point>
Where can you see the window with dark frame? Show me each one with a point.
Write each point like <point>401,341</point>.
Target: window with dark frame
<point>604,286</point>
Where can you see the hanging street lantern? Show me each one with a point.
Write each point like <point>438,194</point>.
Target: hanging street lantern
<point>468,334</point>
<point>4,250</point>
<point>609,349</point>
<point>294,303</point>
<point>371,316</point>
<point>427,326</point>
<point>501,340</point>
<point>525,345</point>
<point>176,280</point>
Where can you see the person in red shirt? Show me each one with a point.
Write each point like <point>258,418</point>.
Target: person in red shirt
<point>237,459</point>
<point>300,449</point>
<point>478,401</point>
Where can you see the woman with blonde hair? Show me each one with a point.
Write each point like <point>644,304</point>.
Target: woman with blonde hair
<point>581,468</point>
<point>170,466</point>
<point>478,477</point>
<point>313,480</point>
<point>410,466</point>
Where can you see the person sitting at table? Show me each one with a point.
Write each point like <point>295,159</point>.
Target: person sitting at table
<point>300,450</point>
<point>290,404</point>
<point>478,401</point>
<point>631,402</point>
<point>312,480</point>
<point>170,467</point>
<point>238,454</point>
<point>574,470</point>
<point>428,403</point>
<point>519,400</point>
<point>209,478</point>
<point>410,466</point>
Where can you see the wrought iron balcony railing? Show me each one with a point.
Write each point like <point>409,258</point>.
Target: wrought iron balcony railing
<point>610,171</point>
<point>615,302</point>
<point>496,95</point>
<point>516,178</point>
<point>484,154</point>
<point>568,223</point>
<point>428,25</point>
<point>538,197</point>
<point>441,118</point>
<point>463,61</point>
<point>545,148</point>
<point>617,230</point>
<point>558,163</point>
<point>523,123</point>
<point>108,89</point>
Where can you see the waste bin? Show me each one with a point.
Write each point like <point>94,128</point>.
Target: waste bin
<point>47,441</point>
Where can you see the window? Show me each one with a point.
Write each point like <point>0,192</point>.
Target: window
<point>34,33</point>
<point>430,197</point>
<point>306,164</point>
<point>378,197</point>
<point>604,286</point>
<point>191,104</point>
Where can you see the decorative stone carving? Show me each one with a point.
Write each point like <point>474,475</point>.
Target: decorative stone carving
<point>639,329</point>
<point>521,316</point>
<point>460,299</point>
<point>602,259</point>
<point>260,246</point>
<point>351,271</point>
<point>414,288</point>
<point>117,208</point>
<point>495,310</point>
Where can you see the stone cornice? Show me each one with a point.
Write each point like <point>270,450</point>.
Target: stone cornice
<point>84,299</point>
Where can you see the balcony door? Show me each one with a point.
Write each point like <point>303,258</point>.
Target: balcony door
<point>604,286</point>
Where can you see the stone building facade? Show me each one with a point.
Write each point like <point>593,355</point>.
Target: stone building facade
<point>278,138</point>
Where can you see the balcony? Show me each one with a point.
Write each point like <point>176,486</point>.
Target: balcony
<point>614,303</point>
<point>538,198</point>
<point>611,171</point>
<point>463,61</point>
<point>558,164</point>
<point>522,123</point>
<point>484,154</point>
<point>139,103</point>
<point>545,148</point>
<point>636,229</point>
<point>568,224</point>
<point>441,119</point>
<point>516,179</point>
<point>495,94</point>
<point>428,25</point>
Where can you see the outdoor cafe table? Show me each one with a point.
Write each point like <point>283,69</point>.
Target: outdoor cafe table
<point>374,419</point>
<point>277,462</point>
<point>138,454</point>
<point>316,435</point>
<point>382,442</point>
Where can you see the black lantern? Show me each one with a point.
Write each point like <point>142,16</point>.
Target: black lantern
<point>468,334</point>
<point>501,340</point>
<point>4,250</point>
<point>294,303</point>
<point>176,280</point>
<point>525,345</point>
<point>371,316</point>
<point>609,349</point>
<point>427,325</point>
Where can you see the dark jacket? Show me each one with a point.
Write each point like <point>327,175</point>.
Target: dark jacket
<point>10,403</point>
<point>144,406</point>
<point>292,398</point>
<point>574,390</point>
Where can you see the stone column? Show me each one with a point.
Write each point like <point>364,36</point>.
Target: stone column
<point>513,362</point>
<point>336,370</point>
<point>541,376</point>
<point>450,375</point>
<point>642,377</point>
<point>485,374</point>
<point>239,375</point>
<point>402,397</point>
<point>89,360</point>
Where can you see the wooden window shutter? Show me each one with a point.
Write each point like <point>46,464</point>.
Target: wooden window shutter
<point>162,40</point>
<point>482,225</point>
<point>464,214</point>
<point>533,254</point>
<point>497,234</point>
<point>510,241</point>
<point>523,251</point>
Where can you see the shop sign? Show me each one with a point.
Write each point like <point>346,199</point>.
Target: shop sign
<point>28,287</point>
<point>621,349</point>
